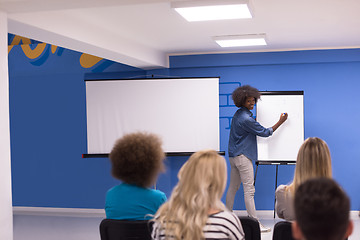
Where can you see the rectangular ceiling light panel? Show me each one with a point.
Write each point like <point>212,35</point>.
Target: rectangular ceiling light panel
<point>241,40</point>
<point>212,10</point>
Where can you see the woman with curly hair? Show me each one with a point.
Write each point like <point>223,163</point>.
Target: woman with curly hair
<point>195,210</point>
<point>243,147</point>
<point>313,160</point>
<point>136,160</point>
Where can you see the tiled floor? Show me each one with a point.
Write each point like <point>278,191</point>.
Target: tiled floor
<point>79,226</point>
<point>267,219</point>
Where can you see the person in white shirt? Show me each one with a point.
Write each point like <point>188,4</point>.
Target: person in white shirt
<point>313,160</point>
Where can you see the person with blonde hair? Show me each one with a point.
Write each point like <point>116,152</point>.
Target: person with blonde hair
<point>313,160</point>
<point>195,210</point>
<point>136,160</point>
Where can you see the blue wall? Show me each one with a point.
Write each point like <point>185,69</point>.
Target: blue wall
<point>48,119</point>
<point>330,80</point>
<point>48,130</point>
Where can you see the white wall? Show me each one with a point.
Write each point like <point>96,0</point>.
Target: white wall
<point>6,225</point>
<point>57,223</point>
<point>56,228</point>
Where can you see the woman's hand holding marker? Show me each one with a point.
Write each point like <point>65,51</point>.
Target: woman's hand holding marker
<point>283,117</point>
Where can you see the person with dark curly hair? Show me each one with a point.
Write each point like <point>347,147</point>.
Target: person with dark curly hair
<point>136,160</point>
<point>322,211</point>
<point>243,147</point>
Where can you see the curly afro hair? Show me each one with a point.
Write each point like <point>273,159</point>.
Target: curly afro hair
<point>137,158</point>
<point>240,94</point>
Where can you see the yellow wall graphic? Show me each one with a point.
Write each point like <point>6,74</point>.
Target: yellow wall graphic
<point>33,53</point>
<point>86,60</point>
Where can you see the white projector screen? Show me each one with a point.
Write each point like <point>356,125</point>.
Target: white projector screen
<point>183,112</point>
<point>284,144</point>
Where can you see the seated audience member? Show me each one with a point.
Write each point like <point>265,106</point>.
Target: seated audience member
<point>194,210</point>
<point>136,160</point>
<point>322,211</point>
<point>313,160</point>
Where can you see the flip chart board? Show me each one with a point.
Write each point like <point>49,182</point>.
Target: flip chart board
<point>284,144</point>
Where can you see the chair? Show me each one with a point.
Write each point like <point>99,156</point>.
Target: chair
<point>282,231</point>
<point>111,229</point>
<point>251,228</point>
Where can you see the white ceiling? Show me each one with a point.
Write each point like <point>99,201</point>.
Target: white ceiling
<point>143,33</point>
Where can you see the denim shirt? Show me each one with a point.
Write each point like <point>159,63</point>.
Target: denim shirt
<point>243,132</point>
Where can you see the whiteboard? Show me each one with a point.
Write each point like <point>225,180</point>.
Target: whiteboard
<point>285,142</point>
<point>183,112</point>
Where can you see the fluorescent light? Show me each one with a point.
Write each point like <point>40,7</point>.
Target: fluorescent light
<point>241,40</point>
<point>202,10</point>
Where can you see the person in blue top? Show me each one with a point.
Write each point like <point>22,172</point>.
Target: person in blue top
<point>243,147</point>
<point>136,160</point>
